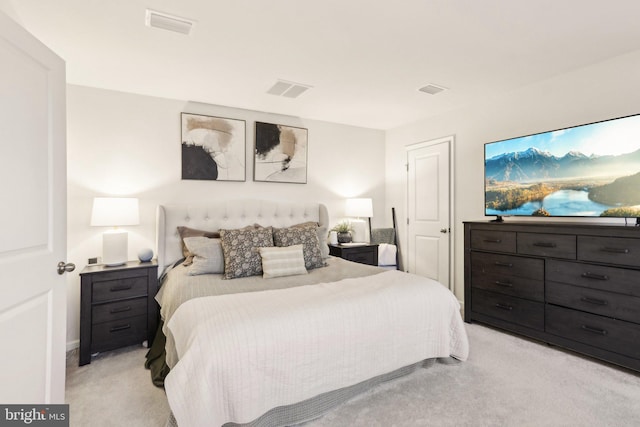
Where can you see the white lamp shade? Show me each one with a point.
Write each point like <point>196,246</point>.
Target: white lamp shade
<point>360,208</point>
<point>115,211</point>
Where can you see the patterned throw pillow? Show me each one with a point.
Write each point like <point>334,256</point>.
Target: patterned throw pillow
<point>207,255</point>
<point>305,235</point>
<point>280,262</point>
<point>185,232</point>
<point>322,232</point>
<point>240,249</point>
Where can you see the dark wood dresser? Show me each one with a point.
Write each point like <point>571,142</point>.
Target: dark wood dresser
<point>576,286</point>
<point>117,306</point>
<point>363,253</point>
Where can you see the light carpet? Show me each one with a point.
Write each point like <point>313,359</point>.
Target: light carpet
<point>507,381</point>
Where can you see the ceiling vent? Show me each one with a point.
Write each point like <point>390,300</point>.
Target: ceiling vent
<point>288,89</point>
<point>168,22</point>
<point>432,89</point>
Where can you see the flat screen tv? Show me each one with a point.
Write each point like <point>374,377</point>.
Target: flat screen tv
<point>591,170</point>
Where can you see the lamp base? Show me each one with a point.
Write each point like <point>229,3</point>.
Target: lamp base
<point>114,247</point>
<point>359,234</point>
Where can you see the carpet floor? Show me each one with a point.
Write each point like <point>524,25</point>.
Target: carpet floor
<point>507,381</point>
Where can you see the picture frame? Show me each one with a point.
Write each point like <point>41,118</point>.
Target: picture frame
<point>213,148</point>
<point>281,153</point>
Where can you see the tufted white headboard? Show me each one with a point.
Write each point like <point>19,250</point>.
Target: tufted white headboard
<point>228,214</point>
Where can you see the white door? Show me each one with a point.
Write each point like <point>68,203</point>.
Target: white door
<point>32,219</point>
<point>428,210</point>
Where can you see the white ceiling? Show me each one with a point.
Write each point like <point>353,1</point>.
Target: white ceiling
<point>366,59</point>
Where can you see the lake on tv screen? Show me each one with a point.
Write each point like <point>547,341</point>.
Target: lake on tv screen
<point>559,203</point>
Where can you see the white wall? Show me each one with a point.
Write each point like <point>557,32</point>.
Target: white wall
<point>129,145</point>
<point>602,91</point>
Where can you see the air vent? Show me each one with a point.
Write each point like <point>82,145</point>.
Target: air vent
<point>168,22</point>
<point>432,89</point>
<point>288,89</point>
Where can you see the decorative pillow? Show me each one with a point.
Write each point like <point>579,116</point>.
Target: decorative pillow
<point>306,235</point>
<point>240,249</point>
<point>207,255</point>
<point>185,232</point>
<point>285,261</point>
<point>323,232</point>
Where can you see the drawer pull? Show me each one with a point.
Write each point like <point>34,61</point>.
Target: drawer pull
<point>594,330</point>
<point>492,240</point>
<point>120,328</point>
<point>504,307</point>
<point>545,244</point>
<point>594,301</point>
<point>121,288</point>
<point>120,309</point>
<point>504,284</point>
<point>594,276</point>
<point>503,264</point>
<point>615,250</point>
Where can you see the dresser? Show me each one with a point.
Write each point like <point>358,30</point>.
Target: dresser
<point>363,253</point>
<point>117,307</point>
<point>572,285</point>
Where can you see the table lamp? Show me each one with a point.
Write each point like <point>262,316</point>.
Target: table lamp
<point>359,208</point>
<point>114,212</point>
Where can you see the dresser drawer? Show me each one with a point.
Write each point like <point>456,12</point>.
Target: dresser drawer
<point>510,285</point>
<point>595,301</point>
<point>507,265</point>
<point>609,334</point>
<point>515,310</point>
<point>614,279</point>
<point>611,250</point>
<point>547,245</point>
<point>501,241</point>
<point>118,333</point>
<point>110,290</point>
<point>119,310</point>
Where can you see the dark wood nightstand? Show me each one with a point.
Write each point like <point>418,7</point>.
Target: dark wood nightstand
<point>363,253</point>
<point>117,306</point>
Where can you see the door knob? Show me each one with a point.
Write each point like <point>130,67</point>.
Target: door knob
<point>64,267</point>
<point>443,230</point>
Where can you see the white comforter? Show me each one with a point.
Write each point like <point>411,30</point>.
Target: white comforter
<point>243,354</point>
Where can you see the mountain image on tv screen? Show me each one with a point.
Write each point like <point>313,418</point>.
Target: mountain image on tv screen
<point>585,171</point>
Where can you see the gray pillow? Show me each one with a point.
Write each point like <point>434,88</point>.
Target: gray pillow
<point>185,232</point>
<point>207,255</point>
<point>240,249</point>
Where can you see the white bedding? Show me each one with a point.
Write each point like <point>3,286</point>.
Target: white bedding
<point>241,355</point>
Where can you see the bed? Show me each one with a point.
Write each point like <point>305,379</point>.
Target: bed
<point>247,349</point>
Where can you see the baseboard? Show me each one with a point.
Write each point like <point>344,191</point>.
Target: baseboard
<point>72,345</point>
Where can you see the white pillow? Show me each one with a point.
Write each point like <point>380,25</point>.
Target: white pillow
<point>207,253</point>
<point>282,261</point>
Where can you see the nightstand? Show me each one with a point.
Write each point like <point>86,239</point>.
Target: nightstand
<point>117,306</point>
<point>362,253</point>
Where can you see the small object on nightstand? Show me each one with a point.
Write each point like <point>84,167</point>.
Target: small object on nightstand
<point>145,255</point>
<point>117,306</point>
<point>363,253</point>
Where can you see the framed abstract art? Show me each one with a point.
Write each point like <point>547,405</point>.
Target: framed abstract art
<point>280,153</point>
<point>213,148</point>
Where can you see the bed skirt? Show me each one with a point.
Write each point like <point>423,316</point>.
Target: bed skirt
<point>317,406</point>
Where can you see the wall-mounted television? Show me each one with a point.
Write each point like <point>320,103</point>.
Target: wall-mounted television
<point>590,170</point>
